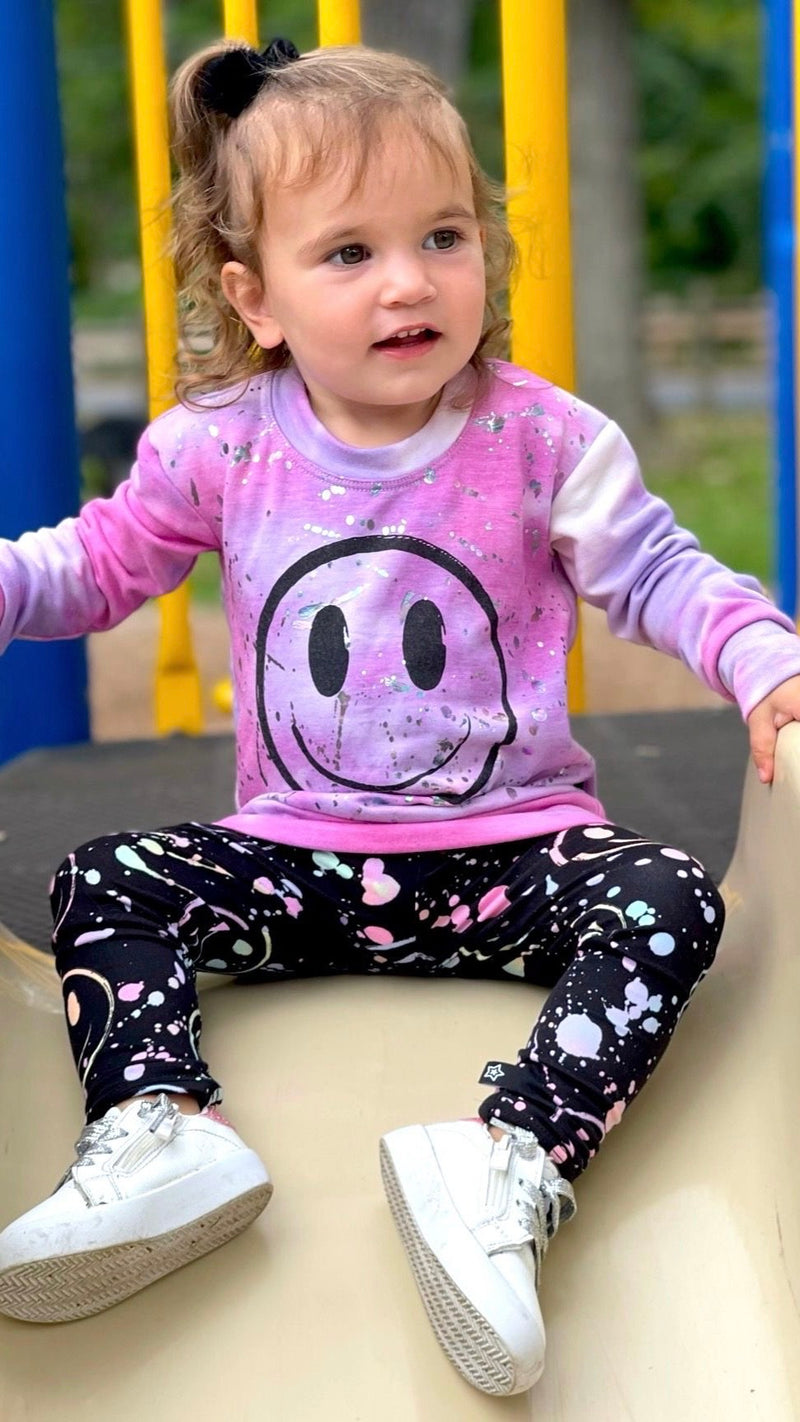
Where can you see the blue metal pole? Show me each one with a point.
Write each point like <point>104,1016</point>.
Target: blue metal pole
<point>43,698</point>
<point>779,247</point>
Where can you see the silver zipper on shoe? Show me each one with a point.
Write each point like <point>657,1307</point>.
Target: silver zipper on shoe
<point>163,1125</point>
<point>497,1175</point>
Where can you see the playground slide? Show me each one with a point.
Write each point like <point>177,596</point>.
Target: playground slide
<point>674,1294</point>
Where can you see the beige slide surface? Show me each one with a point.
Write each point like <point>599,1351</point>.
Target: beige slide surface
<point>674,1296</point>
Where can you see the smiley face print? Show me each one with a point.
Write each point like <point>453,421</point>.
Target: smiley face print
<point>379,669</point>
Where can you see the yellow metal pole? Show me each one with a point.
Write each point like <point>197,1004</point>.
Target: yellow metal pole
<point>537,176</point>
<point>534,40</point>
<point>241,20</point>
<point>339,22</point>
<point>149,87</point>
<point>177,694</point>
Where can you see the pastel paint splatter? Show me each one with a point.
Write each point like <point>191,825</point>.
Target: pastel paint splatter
<point>662,944</point>
<point>322,858</point>
<point>640,912</point>
<point>379,887</point>
<point>130,992</point>
<point>131,860</point>
<point>578,1035</point>
<point>516,968</point>
<point>614,1116</point>
<point>376,934</point>
<point>327,861</point>
<point>493,903</point>
<point>152,846</point>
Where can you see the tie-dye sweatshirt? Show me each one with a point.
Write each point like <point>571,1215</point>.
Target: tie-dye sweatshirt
<point>400,616</point>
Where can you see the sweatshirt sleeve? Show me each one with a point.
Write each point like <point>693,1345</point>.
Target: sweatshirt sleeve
<point>622,551</point>
<point>90,572</point>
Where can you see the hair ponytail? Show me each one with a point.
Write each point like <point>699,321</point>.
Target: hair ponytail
<point>216,344</point>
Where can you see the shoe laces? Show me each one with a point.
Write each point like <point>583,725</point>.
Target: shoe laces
<point>97,1137</point>
<point>543,1197</point>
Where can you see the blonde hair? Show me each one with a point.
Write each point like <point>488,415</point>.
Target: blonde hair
<point>328,110</point>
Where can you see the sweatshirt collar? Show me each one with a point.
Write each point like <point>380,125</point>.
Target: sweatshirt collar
<point>293,412</point>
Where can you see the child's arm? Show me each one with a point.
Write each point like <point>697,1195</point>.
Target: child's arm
<point>622,550</point>
<point>766,719</point>
<point>90,572</point>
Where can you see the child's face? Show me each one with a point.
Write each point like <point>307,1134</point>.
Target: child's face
<point>344,277</point>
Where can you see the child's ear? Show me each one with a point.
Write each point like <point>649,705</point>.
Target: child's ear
<point>245,292</point>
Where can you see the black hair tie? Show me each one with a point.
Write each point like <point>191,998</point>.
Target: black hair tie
<point>229,82</point>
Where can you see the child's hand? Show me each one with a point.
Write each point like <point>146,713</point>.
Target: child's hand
<point>765,720</point>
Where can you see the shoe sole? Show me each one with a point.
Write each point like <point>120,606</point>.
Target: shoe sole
<point>472,1345</point>
<point>66,1287</point>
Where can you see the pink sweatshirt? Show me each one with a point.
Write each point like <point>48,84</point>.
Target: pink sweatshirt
<point>400,617</point>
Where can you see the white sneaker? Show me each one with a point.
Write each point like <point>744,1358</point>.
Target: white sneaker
<point>475,1216</point>
<point>151,1189</point>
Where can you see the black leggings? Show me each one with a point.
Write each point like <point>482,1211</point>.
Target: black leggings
<point>620,928</point>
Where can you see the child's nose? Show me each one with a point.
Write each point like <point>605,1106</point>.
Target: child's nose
<point>407,282</point>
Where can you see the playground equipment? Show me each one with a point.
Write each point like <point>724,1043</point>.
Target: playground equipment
<point>48,705</point>
<point>672,1295</point>
<point>781,26</point>
<point>42,688</point>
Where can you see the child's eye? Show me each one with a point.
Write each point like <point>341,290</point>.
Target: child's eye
<point>442,239</point>
<point>348,256</point>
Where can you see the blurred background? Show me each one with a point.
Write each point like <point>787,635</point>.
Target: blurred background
<point>671,320</point>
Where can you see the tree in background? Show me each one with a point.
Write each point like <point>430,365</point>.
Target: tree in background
<point>607,216</point>
<point>94,104</point>
<point>692,65</point>
<point>438,33</point>
<point>697,65</point>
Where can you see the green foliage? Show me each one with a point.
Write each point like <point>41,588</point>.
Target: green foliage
<point>479,95</point>
<point>193,23</point>
<point>95,103</point>
<point>713,471</point>
<point>97,133</point>
<point>698,70</point>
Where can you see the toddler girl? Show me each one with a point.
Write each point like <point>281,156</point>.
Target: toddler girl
<point>404,524</point>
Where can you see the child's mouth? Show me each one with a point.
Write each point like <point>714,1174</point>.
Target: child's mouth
<point>410,341</point>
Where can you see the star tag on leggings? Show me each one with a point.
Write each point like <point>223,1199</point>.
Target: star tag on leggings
<point>494,1072</point>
